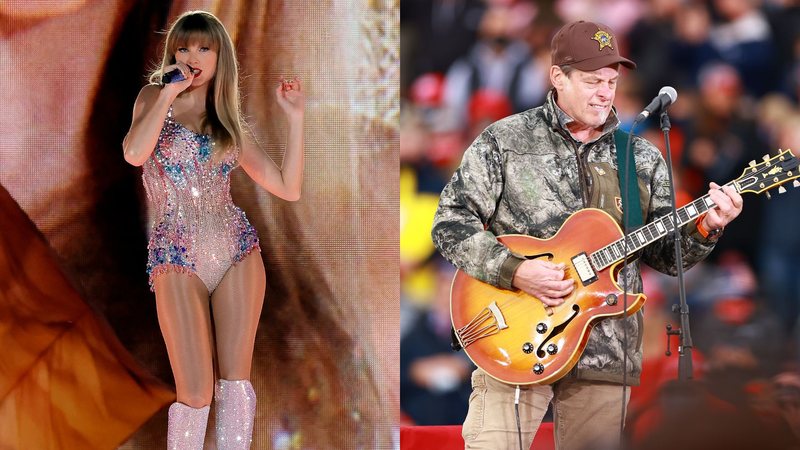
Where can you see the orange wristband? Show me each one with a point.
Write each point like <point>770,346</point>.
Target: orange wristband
<point>703,232</point>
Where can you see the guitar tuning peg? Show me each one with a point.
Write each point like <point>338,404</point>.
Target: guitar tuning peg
<point>781,190</point>
<point>796,183</point>
<point>769,197</point>
<point>753,163</point>
<point>765,158</point>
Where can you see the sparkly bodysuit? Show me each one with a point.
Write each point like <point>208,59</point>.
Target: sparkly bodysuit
<point>196,227</point>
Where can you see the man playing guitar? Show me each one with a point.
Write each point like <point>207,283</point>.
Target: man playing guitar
<point>527,174</point>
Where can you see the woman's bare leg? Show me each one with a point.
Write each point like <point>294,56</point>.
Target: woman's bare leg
<point>184,318</point>
<point>237,303</point>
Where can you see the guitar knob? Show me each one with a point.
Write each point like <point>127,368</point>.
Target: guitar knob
<point>611,299</point>
<point>538,369</point>
<point>541,328</point>
<point>527,347</point>
<point>552,349</point>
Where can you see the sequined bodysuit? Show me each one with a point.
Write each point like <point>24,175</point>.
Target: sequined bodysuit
<point>196,226</point>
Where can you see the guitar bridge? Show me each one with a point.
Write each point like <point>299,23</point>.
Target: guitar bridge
<point>488,322</point>
<point>584,268</point>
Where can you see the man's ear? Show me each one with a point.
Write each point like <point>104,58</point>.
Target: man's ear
<point>557,77</point>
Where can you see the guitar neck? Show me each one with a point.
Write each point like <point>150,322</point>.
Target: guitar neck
<point>655,230</point>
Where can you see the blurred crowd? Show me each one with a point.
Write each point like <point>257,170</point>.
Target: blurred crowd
<point>736,67</point>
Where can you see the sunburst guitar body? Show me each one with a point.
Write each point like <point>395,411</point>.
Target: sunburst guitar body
<point>519,340</point>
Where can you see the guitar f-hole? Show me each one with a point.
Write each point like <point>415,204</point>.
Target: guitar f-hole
<point>537,256</point>
<point>557,330</point>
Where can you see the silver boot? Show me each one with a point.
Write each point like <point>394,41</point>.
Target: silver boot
<point>236,409</point>
<point>186,429</point>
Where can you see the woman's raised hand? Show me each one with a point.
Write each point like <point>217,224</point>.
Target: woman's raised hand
<point>290,97</point>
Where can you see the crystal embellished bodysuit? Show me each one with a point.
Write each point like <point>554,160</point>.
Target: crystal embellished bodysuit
<point>196,226</point>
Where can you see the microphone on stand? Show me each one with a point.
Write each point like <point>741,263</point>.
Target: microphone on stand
<point>666,96</point>
<point>176,75</point>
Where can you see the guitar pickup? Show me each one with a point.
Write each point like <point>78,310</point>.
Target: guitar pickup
<point>584,268</point>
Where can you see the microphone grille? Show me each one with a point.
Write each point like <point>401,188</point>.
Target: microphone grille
<point>670,91</point>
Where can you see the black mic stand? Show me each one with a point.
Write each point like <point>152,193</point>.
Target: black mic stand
<point>684,335</point>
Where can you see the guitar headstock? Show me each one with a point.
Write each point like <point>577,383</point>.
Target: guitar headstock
<point>771,172</point>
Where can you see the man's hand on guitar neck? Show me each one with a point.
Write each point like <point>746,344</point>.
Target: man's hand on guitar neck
<point>729,205</point>
<point>543,280</point>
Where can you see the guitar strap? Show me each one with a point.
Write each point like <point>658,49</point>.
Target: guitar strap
<point>631,202</point>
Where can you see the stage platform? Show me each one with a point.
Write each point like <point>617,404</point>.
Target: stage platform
<point>448,437</point>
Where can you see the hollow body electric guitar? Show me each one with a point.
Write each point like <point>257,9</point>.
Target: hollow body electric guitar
<point>517,339</point>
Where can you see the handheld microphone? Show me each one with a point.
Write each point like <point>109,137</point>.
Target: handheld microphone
<point>666,96</point>
<point>174,76</point>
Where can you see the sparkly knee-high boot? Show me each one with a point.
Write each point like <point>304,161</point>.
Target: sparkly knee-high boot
<point>186,428</point>
<point>236,409</point>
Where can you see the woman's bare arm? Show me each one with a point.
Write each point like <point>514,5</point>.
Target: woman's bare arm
<point>285,181</point>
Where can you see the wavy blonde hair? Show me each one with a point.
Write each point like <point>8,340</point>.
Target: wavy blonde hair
<point>223,106</point>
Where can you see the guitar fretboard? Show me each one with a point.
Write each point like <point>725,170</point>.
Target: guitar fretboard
<point>647,234</point>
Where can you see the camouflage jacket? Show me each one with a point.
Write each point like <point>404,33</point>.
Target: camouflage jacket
<point>526,174</point>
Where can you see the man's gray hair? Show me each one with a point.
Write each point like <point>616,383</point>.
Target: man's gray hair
<point>567,69</point>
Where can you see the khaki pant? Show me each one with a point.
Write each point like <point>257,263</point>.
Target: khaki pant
<point>585,413</point>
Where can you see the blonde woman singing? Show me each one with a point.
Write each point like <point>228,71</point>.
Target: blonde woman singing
<point>187,132</point>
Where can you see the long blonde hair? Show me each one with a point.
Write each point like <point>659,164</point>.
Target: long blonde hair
<point>223,107</point>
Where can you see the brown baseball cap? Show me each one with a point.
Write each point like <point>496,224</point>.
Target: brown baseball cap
<point>587,46</point>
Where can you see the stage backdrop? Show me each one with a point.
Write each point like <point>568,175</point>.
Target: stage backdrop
<point>326,358</point>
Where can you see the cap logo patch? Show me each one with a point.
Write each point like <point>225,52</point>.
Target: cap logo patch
<point>603,38</point>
